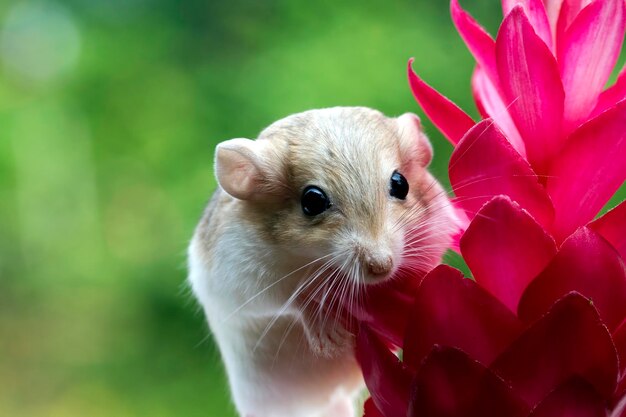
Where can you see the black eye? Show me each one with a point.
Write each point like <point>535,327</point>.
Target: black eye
<point>398,186</point>
<point>314,201</point>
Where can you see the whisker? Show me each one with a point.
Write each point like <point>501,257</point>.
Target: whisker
<point>258,294</point>
<point>307,282</point>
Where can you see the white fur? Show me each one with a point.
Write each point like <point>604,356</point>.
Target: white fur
<point>294,382</point>
<point>280,357</point>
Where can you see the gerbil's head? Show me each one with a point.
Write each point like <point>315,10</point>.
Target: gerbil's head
<point>347,187</point>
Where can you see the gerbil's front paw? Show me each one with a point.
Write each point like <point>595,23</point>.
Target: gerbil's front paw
<point>330,342</point>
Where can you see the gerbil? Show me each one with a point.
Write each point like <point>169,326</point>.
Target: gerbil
<point>321,205</point>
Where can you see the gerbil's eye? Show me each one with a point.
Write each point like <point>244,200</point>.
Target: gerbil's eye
<point>314,201</point>
<point>398,186</point>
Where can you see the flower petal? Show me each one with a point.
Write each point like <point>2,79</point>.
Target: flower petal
<point>612,95</point>
<point>462,221</point>
<point>469,319</point>
<point>570,340</point>
<point>387,380</point>
<point>595,39</point>
<point>449,383</point>
<point>484,165</point>
<point>385,309</point>
<point>370,410</point>
<point>553,8</point>
<point>620,409</point>
<point>478,41</point>
<point>589,170</point>
<point>612,227</point>
<point>491,105</point>
<point>447,116</point>
<point>619,338</point>
<point>505,249</point>
<point>585,263</point>
<point>574,398</point>
<point>536,13</point>
<point>570,9</point>
<point>533,87</point>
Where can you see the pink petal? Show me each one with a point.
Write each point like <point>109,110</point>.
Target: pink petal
<point>589,170</point>
<point>570,9</point>
<point>462,221</point>
<point>387,380</point>
<point>620,409</point>
<point>385,309</point>
<point>533,86</point>
<point>619,338</point>
<point>447,116</point>
<point>587,54</point>
<point>469,319</point>
<point>586,263</point>
<point>536,13</point>
<point>370,410</point>
<point>574,398</point>
<point>451,384</point>
<point>569,341</point>
<point>491,105</point>
<point>611,96</point>
<point>505,249</point>
<point>553,8</point>
<point>478,41</point>
<point>612,227</point>
<point>484,165</point>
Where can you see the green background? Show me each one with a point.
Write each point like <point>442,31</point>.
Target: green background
<point>109,114</point>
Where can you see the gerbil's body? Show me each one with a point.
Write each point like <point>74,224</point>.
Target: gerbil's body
<point>322,204</point>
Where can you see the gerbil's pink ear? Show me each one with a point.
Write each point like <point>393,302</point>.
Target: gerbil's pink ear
<point>240,168</point>
<point>413,139</point>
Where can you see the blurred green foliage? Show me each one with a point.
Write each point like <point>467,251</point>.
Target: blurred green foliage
<point>109,112</point>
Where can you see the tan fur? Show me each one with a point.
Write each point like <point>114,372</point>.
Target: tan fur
<point>244,253</point>
<point>332,149</point>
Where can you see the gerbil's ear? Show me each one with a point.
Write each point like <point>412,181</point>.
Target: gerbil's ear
<point>240,168</point>
<point>413,139</point>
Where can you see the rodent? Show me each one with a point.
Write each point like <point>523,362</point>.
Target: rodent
<point>321,205</point>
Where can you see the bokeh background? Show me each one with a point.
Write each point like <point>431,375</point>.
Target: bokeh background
<point>109,114</point>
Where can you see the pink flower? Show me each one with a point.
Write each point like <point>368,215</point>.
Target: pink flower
<point>541,332</point>
<point>559,139</point>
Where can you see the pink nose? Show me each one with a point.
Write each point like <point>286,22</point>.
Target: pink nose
<point>380,265</point>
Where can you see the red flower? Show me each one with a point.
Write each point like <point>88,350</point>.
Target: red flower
<point>560,139</point>
<point>555,344</point>
<point>542,329</point>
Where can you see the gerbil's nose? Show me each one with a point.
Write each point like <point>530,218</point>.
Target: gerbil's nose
<point>380,265</point>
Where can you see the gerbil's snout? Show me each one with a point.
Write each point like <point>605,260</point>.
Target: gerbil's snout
<point>376,263</point>
<point>381,265</point>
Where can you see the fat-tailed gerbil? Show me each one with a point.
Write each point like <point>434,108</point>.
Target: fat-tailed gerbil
<point>322,204</point>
